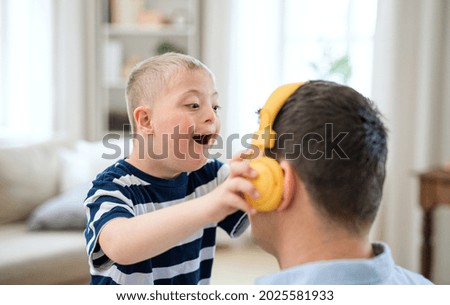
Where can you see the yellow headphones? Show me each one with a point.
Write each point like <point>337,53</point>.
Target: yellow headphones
<point>269,181</point>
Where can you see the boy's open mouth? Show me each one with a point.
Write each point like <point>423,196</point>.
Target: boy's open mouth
<point>203,139</point>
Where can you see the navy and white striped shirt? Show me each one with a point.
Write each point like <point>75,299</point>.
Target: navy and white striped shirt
<point>122,190</point>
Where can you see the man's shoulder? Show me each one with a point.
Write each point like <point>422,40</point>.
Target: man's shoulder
<point>398,274</point>
<point>407,277</point>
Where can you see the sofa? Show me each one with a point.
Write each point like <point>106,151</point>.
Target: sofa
<point>42,216</point>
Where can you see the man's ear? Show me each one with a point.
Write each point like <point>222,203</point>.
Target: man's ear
<point>143,118</point>
<point>290,187</point>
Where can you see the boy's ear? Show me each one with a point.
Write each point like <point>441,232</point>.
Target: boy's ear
<point>290,187</point>
<point>143,118</point>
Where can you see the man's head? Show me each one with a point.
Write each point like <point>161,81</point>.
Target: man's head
<point>335,142</point>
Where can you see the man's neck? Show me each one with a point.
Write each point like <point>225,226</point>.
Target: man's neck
<point>331,247</point>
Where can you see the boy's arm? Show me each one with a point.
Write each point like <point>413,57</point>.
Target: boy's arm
<point>131,240</point>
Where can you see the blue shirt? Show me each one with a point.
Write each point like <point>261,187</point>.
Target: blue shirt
<point>122,190</point>
<point>381,269</point>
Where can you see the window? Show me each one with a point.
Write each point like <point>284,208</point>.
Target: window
<point>280,41</point>
<point>26,73</point>
<point>2,69</point>
<point>330,40</point>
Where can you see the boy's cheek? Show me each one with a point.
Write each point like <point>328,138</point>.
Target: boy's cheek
<point>218,125</point>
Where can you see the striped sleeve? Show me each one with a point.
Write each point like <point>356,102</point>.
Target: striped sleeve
<point>105,201</point>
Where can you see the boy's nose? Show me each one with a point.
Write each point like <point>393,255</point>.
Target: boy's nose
<point>209,115</point>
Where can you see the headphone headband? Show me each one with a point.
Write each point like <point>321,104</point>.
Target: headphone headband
<point>265,136</point>
<point>269,181</point>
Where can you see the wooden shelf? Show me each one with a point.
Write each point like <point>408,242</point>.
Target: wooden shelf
<point>125,40</point>
<point>148,29</point>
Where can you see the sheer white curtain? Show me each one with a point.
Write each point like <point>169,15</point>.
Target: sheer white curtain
<point>70,62</point>
<point>27,69</point>
<point>242,45</point>
<point>411,77</point>
<point>42,69</point>
<point>254,46</point>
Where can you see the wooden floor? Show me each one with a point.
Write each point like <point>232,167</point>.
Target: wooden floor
<point>240,263</point>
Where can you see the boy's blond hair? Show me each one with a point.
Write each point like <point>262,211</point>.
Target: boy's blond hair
<point>150,76</point>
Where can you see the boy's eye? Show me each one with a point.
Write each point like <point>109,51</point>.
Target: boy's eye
<point>194,106</point>
<point>216,108</point>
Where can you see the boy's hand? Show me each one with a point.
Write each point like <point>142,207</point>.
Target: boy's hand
<point>228,197</point>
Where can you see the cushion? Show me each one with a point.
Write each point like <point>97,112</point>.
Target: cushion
<point>80,165</point>
<point>63,212</point>
<point>28,176</point>
<point>87,159</point>
<point>42,257</point>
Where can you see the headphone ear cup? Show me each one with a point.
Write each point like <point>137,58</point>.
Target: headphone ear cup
<point>269,184</point>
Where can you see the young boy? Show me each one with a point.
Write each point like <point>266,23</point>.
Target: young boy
<point>152,217</point>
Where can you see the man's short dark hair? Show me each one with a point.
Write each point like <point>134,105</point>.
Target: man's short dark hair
<point>336,142</point>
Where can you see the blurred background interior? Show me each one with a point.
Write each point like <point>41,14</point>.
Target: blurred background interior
<point>63,65</point>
